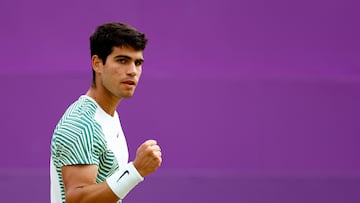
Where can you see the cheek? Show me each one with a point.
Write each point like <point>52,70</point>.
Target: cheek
<point>110,74</point>
<point>113,70</point>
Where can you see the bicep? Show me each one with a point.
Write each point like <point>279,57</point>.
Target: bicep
<point>80,185</point>
<point>78,176</point>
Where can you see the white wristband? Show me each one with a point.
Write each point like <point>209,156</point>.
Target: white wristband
<point>121,182</point>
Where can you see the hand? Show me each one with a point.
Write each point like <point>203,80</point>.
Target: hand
<point>148,158</point>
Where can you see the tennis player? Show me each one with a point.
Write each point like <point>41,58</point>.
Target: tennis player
<point>89,154</point>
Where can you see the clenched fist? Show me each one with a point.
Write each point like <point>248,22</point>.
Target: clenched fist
<point>148,158</point>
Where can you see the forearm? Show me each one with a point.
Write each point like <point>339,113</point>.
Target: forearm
<point>80,180</point>
<point>95,193</point>
<point>116,187</point>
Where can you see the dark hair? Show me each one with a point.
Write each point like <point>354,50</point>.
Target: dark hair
<point>114,34</point>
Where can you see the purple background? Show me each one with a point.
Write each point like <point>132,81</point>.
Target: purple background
<point>252,101</point>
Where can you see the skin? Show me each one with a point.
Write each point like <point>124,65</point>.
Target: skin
<point>115,80</point>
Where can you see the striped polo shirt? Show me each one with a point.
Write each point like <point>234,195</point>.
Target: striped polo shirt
<point>86,134</point>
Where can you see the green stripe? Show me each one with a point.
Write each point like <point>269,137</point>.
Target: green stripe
<point>78,139</point>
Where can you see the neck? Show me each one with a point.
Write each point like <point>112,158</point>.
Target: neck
<point>106,101</point>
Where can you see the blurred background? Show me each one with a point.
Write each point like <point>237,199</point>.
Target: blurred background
<point>252,101</point>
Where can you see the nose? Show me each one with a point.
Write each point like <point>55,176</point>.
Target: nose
<point>132,70</point>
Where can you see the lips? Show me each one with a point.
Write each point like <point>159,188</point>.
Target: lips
<point>129,82</point>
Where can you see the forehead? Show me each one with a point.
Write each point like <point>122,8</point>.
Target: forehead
<point>127,51</point>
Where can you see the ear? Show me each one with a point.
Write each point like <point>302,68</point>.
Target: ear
<point>96,63</point>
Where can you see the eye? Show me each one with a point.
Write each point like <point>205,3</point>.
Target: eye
<point>122,61</point>
<point>139,62</point>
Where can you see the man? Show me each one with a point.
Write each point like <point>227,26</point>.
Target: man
<point>89,155</point>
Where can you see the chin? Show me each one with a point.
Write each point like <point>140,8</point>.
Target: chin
<point>125,96</point>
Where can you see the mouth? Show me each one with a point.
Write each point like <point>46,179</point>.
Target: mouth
<point>129,83</point>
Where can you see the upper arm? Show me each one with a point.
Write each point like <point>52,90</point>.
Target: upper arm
<point>80,185</point>
<point>77,176</point>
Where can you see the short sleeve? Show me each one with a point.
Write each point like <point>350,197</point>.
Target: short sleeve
<point>76,143</point>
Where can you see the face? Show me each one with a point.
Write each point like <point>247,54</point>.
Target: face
<point>120,74</point>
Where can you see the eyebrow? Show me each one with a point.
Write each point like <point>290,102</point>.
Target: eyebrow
<point>122,56</point>
<point>128,57</point>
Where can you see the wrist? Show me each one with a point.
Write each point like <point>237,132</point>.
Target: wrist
<point>123,181</point>
<point>138,169</point>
